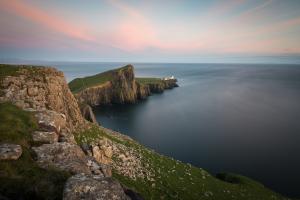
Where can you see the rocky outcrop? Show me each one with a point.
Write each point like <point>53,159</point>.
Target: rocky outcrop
<point>10,151</point>
<point>87,113</point>
<point>62,155</point>
<point>41,88</point>
<point>83,186</point>
<point>44,92</point>
<point>122,88</point>
<point>144,90</point>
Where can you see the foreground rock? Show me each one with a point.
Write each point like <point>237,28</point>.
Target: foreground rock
<point>91,187</point>
<point>50,120</point>
<point>10,151</point>
<point>44,137</point>
<point>102,151</point>
<point>64,156</point>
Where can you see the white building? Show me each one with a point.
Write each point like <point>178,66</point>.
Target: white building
<point>168,78</point>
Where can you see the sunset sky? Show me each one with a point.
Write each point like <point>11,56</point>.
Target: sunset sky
<point>151,31</point>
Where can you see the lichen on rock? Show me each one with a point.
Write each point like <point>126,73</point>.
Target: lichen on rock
<point>10,151</point>
<point>82,186</point>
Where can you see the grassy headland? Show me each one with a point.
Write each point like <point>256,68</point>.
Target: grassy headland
<point>78,84</point>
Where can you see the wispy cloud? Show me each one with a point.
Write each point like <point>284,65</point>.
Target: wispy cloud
<point>45,19</point>
<point>136,27</point>
<point>134,32</point>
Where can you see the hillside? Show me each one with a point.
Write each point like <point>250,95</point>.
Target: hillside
<point>49,151</point>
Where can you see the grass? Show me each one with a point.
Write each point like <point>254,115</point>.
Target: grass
<point>78,84</point>
<point>173,179</point>
<point>148,80</point>
<point>23,178</point>
<point>8,70</point>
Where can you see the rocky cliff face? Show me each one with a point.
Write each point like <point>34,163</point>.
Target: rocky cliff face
<point>41,88</point>
<point>122,88</point>
<point>147,89</point>
<point>44,93</point>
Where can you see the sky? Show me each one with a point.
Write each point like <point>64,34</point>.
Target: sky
<point>151,31</point>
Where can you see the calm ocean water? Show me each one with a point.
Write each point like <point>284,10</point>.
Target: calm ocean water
<point>224,117</point>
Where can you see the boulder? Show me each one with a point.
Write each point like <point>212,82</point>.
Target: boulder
<point>44,137</point>
<point>103,151</point>
<point>10,151</point>
<point>64,156</point>
<point>50,120</point>
<point>81,186</point>
<point>100,154</point>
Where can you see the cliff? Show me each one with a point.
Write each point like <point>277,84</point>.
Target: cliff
<point>39,116</point>
<point>39,88</point>
<point>117,86</point>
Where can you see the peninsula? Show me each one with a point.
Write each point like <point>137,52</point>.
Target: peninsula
<point>117,86</point>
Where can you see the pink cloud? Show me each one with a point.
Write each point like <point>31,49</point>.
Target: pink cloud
<point>135,32</point>
<point>41,17</point>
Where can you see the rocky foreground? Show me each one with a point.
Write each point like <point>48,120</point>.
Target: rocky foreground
<point>48,150</point>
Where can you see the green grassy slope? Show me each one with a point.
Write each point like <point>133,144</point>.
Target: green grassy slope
<point>148,80</point>
<point>79,84</point>
<point>22,178</point>
<point>176,180</point>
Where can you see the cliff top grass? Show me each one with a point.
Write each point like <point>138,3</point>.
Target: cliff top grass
<point>23,178</point>
<point>8,70</point>
<point>173,179</point>
<point>33,70</point>
<point>79,84</point>
<point>148,80</point>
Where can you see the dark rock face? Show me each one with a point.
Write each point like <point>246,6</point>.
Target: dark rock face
<point>88,114</point>
<point>83,186</point>
<point>143,91</point>
<point>122,89</point>
<point>132,194</point>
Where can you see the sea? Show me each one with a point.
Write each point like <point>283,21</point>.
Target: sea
<point>238,118</point>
